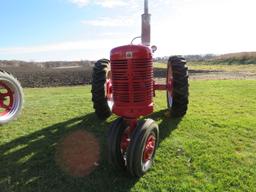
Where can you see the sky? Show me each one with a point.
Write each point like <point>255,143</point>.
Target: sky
<point>44,30</point>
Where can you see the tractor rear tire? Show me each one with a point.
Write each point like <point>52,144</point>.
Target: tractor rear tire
<point>142,147</point>
<point>177,99</point>
<point>115,135</point>
<point>101,70</point>
<point>11,97</point>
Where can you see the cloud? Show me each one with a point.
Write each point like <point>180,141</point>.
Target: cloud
<point>103,3</point>
<point>70,50</point>
<point>111,3</point>
<point>80,3</point>
<point>91,49</point>
<point>62,46</point>
<point>110,22</point>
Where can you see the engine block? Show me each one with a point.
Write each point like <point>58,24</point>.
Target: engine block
<point>132,80</point>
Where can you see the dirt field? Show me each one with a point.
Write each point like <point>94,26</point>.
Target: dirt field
<point>53,76</point>
<point>221,75</point>
<point>35,76</point>
<point>207,71</point>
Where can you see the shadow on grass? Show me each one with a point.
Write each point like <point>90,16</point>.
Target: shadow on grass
<point>167,124</point>
<point>28,163</point>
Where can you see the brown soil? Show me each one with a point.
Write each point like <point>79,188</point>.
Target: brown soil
<point>33,76</point>
<point>208,75</point>
<point>77,154</point>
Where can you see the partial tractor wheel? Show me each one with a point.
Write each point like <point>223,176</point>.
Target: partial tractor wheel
<point>102,96</point>
<point>142,148</point>
<point>11,97</point>
<point>117,143</point>
<point>178,86</point>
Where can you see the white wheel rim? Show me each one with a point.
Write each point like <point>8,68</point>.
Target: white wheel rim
<point>169,81</point>
<point>110,100</point>
<point>170,99</point>
<point>110,103</point>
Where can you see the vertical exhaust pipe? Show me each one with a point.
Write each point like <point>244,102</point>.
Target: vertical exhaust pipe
<point>145,36</point>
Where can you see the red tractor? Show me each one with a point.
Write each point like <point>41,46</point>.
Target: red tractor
<point>11,97</point>
<point>125,86</point>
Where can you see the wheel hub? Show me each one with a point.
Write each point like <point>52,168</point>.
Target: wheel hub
<point>149,148</point>
<point>6,99</point>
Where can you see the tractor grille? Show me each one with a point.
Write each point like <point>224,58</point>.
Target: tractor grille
<point>132,81</point>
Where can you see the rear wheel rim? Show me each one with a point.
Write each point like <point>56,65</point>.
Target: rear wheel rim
<point>9,100</point>
<point>109,92</point>
<point>169,82</point>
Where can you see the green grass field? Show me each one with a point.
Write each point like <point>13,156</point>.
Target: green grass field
<point>211,149</point>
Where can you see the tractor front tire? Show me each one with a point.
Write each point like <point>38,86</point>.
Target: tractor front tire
<point>101,70</point>
<point>177,78</point>
<point>116,135</point>
<point>142,147</point>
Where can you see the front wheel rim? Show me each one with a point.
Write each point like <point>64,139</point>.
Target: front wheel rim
<point>148,152</point>
<point>124,143</point>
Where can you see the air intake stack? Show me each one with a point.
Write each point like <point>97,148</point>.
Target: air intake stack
<point>145,36</point>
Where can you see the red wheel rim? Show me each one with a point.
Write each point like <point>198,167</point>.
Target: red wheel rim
<point>6,99</point>
<point>169,82</point>
<point>149,148</point>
